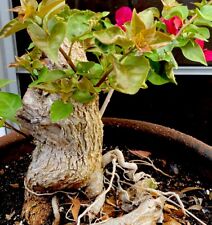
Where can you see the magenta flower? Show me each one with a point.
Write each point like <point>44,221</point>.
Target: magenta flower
<point>123,15</point>
<point>173,24</point>
<point>207,53</point>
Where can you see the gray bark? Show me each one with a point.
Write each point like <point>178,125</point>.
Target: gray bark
<point>67,152</point>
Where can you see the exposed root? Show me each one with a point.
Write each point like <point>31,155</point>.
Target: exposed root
<point>36,209</point>
<point>44,194</point>
<point>179,204</point>
<point>136,199</point>
<point>96,206</point>
<point>56,211</point>
<point>148,213</point>
<point>150,163</point>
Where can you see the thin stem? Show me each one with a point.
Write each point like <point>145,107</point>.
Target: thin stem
<point>107,72</point>
<point>189,22</point>
<point>104,76</point>
<point>16,130</point>
<point>185,25</point>
<point>68,59</point>
<point>106,102</point>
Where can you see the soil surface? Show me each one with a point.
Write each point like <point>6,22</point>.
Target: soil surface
<point>196,194</point>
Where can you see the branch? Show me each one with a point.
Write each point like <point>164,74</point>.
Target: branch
<point>7,125</point>
<point>68,59</point>
<point>106,102</point>
<point>104,76</point>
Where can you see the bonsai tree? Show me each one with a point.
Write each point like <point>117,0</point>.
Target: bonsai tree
<point>60,107</point>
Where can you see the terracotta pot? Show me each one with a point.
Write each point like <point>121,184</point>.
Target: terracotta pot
<point>162,141</point>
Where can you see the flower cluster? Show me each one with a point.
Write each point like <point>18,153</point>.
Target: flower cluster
<point>173,26</point>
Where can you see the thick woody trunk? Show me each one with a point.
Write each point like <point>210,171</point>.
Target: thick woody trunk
<point>68,153</point>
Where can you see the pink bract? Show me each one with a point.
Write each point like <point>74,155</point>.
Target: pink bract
<point>123,15</point>
<point>207,53</point>
<point>173,24</point>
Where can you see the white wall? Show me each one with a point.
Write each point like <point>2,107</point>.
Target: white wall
<point>7,53</point>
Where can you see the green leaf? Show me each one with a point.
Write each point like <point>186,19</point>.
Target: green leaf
<point>130,75</point>
<point>136,24</point>
<point>193,52</point>
<point>202,22</point>
<point>48,43</point>
<point>9,104</point>
<point>202,33</point>
<point>2,122</point>
<point>89,69</point>
<point>147,18</point>
<point>206,12</point>
<point>55,40</point>
<point>113,35</point>
<point>169,3</point>
<point>47,76</point>
<point>84,67</point>
<point>4,82</point>
<point>82,96</point>
<point>85,85</point>
<point>79,24</point>
<point>11,28</point>
<point>60,110</point>
<point>161,73</point>
<point>50,6</point>
<point>180,10</point>
<point>157,79</point>
<point>169,72</point>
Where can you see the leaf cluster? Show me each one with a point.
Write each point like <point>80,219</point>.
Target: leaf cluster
<point>124,59</point>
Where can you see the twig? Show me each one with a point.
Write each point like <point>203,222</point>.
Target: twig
<point>189,22</point>
<point>68,59</point>
<point>106,102</point>
<point>16,130</point>
<point>107,72</point>
<point>104,76</point>
<point>56,212</point>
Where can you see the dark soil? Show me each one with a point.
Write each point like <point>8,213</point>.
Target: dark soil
<point>12,190</point>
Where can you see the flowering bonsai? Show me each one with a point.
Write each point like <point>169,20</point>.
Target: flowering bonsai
<point>60,107</point>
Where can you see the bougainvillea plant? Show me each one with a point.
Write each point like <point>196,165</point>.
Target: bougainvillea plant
<point>60,108</point>
<point>126,58</point>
